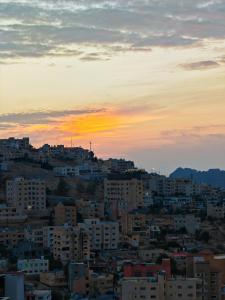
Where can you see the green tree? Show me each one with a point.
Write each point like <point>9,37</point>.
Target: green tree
<point>62,188</point>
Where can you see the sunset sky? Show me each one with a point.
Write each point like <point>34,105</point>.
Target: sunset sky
<point>141,79</point>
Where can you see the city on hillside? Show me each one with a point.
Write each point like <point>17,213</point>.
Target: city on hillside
<point>77,227</point>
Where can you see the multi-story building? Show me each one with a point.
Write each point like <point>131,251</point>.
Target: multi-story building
<point>65,215</point>
<point>26,194</point>
<point>139,288</point>
<point>119,165</point>
<point>189,222</point>
<point>33,266</point>
<point>14,285</point>
<point>101,283</point>
<point>184,288</point>
<point>48,237</point>
<point>104,235</point>
<point>10,237</point>
<point>11,214</point>
<point>53,279</point>
<point>79,276</point>
<point>12,142</point>
<point>147,269</point>
<point>216,211</point>
<point>133,222</point>
<point>123,196</point>
<point>71,243</point>
<point>160,288</point>
<point>34,235</point>
<point>39,295</point>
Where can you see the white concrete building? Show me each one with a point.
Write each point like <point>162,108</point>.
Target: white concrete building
<point>33,266</point>
<point>189,222</point>
<point>39,295</point>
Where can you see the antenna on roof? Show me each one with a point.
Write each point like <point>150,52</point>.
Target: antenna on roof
<point>90,146</point>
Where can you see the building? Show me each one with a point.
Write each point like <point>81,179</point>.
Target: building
<point>189,222</point>
<point>14,285</point>
<point>79,276</point>
<point>39,295</point>
<point>119,165</point>
<point>48,237</point>
<point>53,278</point>
<point>34,235</point>
<point>216,211</point>
<point>65,215</point>
<point>139,288</point>
<point>101,284</point>
<point>3,264</point>
<point>10,237</point>
<point>147,269</point>
<point>11,214</point>
<point>160,288</point>
<point>33,266</point>
<point>122,196</point>
<point>26,194</point>
<point>185,288</point>
<point>71,243</point>
<point>133,222</point>
<point>14,143</point>
<point>104,235</point>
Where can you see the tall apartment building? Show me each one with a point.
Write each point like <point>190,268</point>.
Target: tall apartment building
<point>123,196</point>
<point>71,243</point>
<point>65,215</point>
<point>104,235</point>
<point>27,194</point>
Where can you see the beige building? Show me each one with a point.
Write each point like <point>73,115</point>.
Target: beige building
<point>149,288</point>
<point>133,222</point>
<point>65,215</point>
<point>71,243</point>
<point>101,283</point>
<point>104,235</point>
<point>26,194</point>
<point>53,279</point>
<point>123,196</point>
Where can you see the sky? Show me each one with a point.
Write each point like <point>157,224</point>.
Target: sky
<point>140,79</point>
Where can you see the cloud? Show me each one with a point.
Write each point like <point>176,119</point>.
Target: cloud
<point>42,117</point>
<point>65,28</point>
<point>201,65</point>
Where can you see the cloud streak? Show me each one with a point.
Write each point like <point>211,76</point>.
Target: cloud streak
<point>65,28</point>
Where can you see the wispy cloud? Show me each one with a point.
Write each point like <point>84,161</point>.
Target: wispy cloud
<point>65,28</point>
<point>42,117</point>
<point>200,65</point>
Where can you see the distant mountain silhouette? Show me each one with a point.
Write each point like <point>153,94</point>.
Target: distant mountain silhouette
<point>214,177</point>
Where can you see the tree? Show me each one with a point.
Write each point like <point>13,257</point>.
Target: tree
<point>62,188</point>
